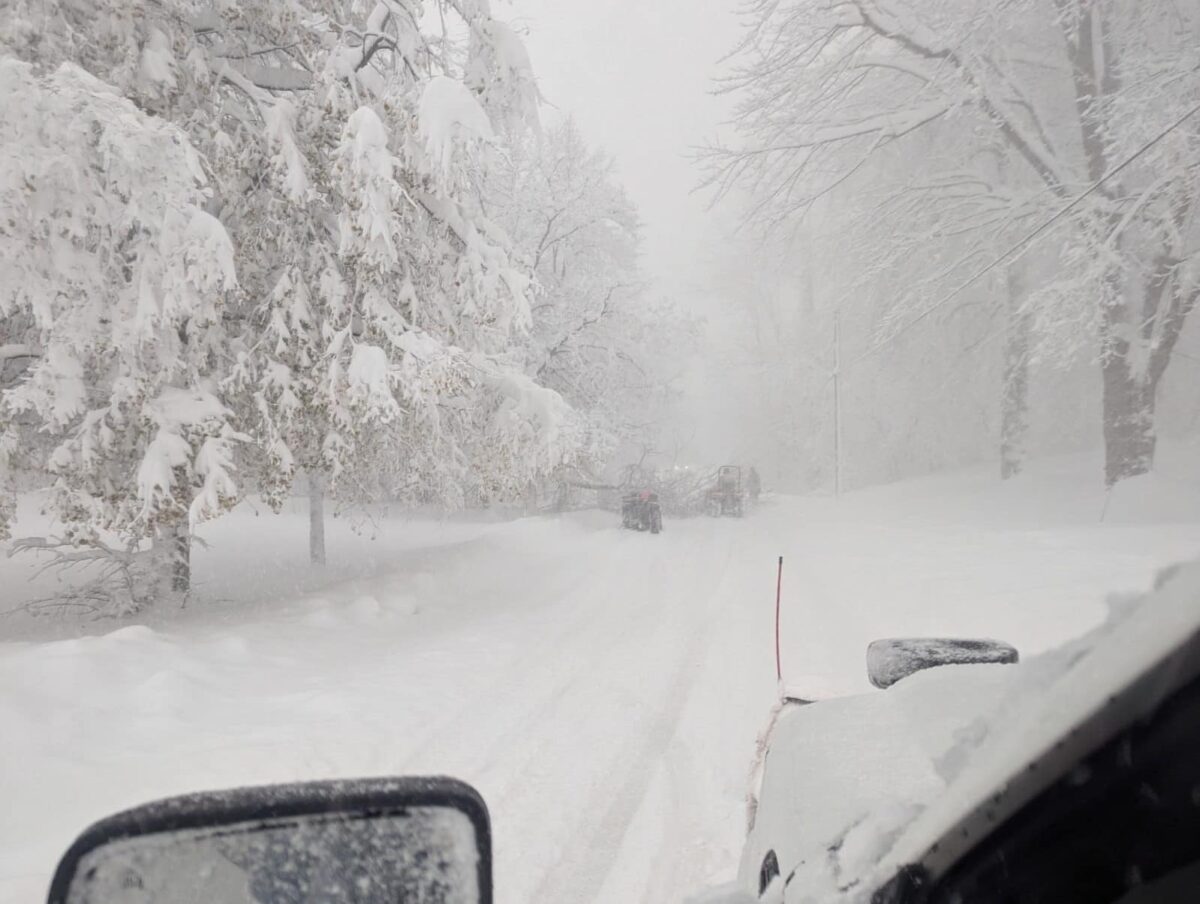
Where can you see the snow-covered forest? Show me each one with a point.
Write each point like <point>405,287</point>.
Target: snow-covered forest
<point>256,247</point>
<point>994,205</point>
<point>348,251</point>
<point>397,387</point>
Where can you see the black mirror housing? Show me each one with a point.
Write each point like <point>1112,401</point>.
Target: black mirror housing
<point>331,820</point>
<point>890,660</point>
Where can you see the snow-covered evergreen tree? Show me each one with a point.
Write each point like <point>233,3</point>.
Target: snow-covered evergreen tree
<point>119,276</point>
<point>369,340</point>
<point>379,359</point>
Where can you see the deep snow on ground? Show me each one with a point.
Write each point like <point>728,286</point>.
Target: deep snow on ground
<point>602,689</point>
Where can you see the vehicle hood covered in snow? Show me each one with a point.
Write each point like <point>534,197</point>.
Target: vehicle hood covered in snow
<point>860,786</point>
<point>852,762</point>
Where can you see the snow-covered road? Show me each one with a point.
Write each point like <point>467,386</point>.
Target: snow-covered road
<point>585,679</point>
<point>601,688</point>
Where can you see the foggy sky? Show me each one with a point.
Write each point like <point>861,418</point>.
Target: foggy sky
<point>637,76</point>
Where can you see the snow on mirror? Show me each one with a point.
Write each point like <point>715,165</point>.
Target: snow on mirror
<point>890,660</point>
<point>369,853</point>
<point>426,856</point>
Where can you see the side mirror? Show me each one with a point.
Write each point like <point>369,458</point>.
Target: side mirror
<point>890,660</point>
<point>365,841</point>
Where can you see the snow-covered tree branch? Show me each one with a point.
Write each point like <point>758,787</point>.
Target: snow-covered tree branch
<point>1036,102</point>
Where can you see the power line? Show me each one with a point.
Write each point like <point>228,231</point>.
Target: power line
<point>1024,242</point>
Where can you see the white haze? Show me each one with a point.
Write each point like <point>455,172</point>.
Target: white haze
<point>333,335</point>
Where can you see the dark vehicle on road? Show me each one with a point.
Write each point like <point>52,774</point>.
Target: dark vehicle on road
<point>641,511</point>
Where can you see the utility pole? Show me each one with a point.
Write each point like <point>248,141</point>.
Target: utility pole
<point>833,374</point>
<point>837,403</point>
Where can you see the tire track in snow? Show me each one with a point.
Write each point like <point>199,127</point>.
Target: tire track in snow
<point>580,873</point>
<point>580,673</point>
<point>554,724</point>
<point>696,839</point>
<point>515,676</point>
<point>535,716</point>
<point>538,728</point>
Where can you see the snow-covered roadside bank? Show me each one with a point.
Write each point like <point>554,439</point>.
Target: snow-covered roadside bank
<point>249,561</point>
<point>1029,561</point>
<point>603,689</point>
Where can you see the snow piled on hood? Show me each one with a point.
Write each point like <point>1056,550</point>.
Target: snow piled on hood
<point>844,776</point>
<point>1039,702</point>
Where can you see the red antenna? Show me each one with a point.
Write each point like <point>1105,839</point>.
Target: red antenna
<point>778,594</point>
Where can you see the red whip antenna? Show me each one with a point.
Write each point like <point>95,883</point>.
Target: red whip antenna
<point>778,593</point>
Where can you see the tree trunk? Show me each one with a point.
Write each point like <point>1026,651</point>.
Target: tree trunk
<point>316,518</point>
<point>174,545</point>
<point>1014,394</point>
<point>181,574</point>
<point>1130,393</point>
<point>1128,397</point>
<point>1129,438</point>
